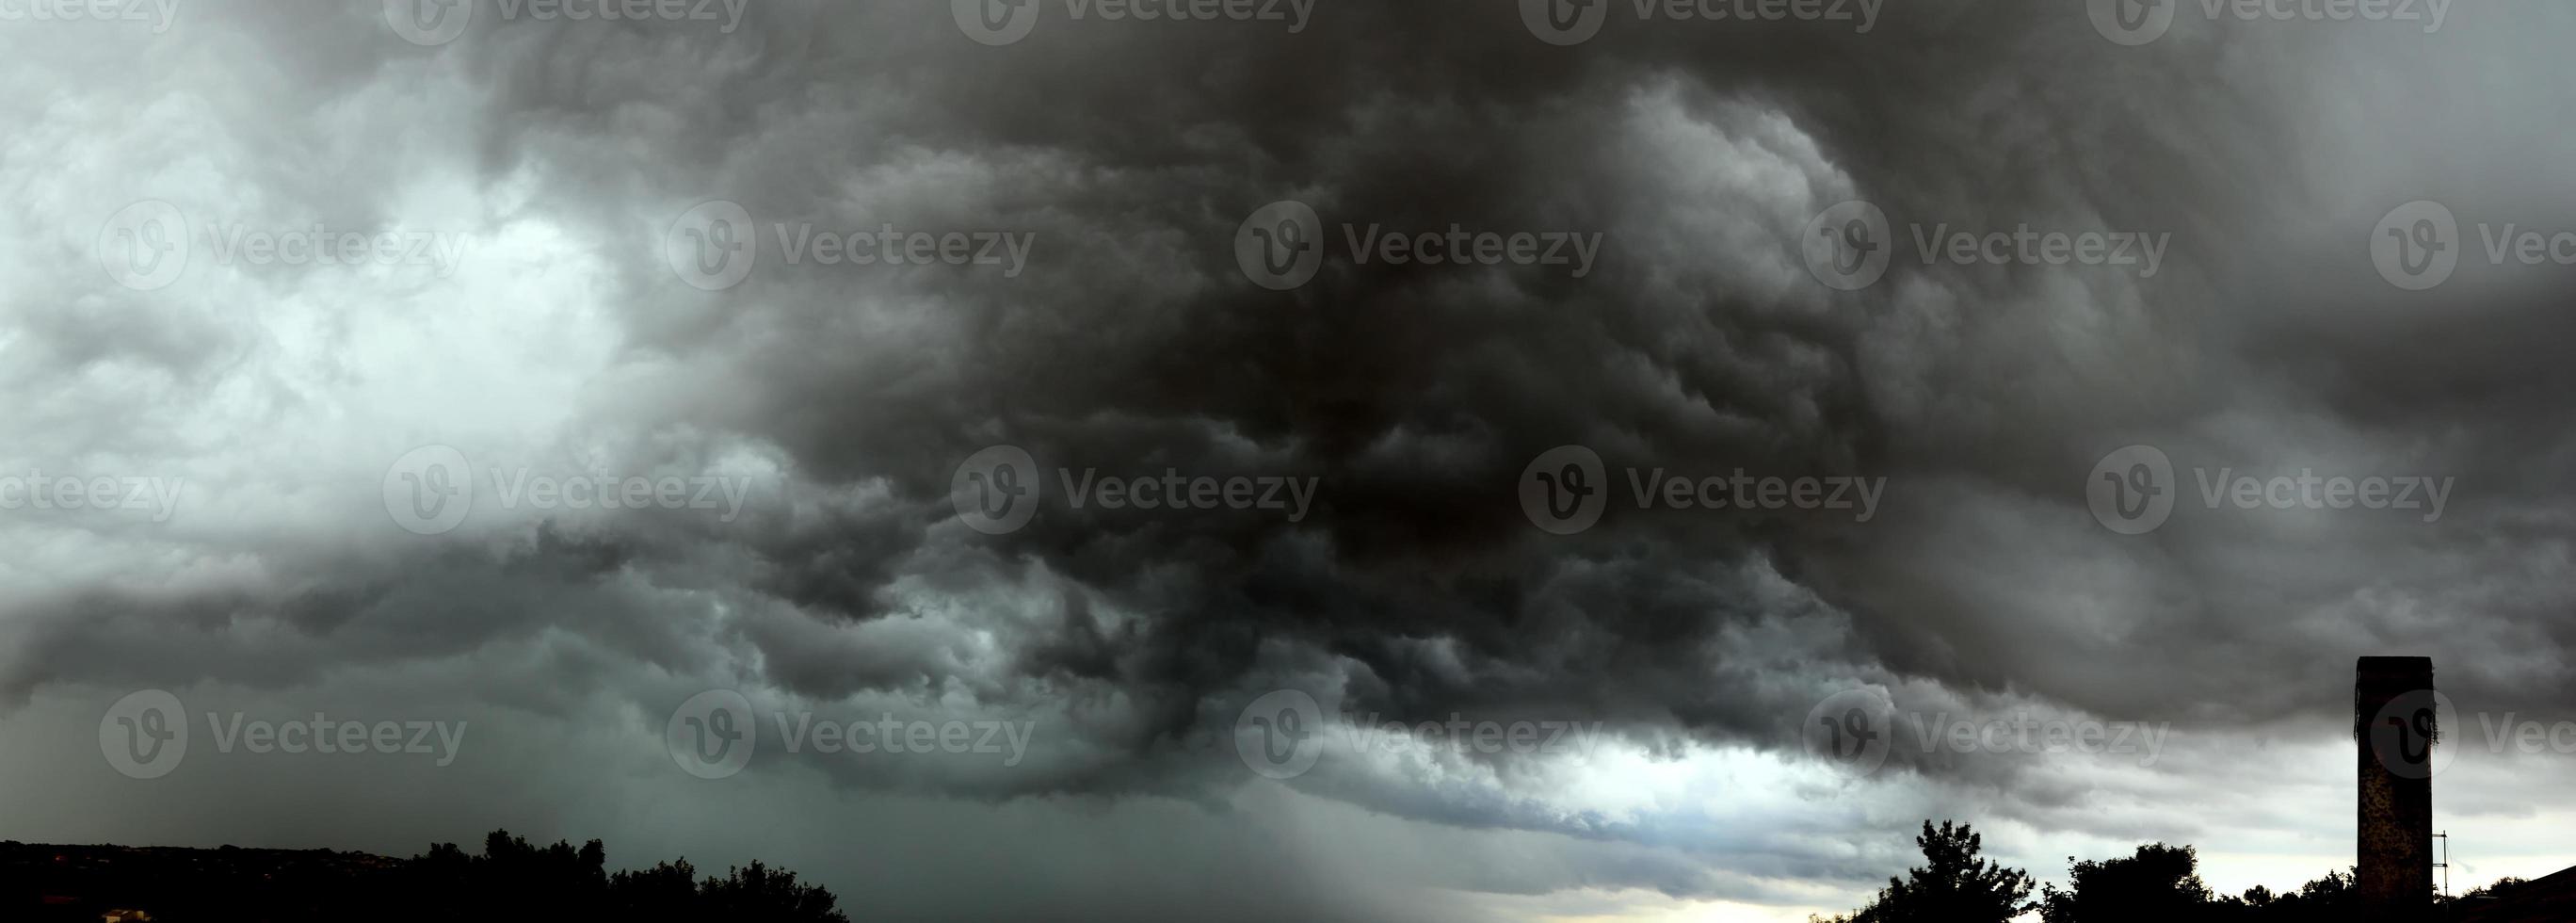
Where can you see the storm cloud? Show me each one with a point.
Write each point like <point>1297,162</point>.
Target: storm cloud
<point>956,240</point>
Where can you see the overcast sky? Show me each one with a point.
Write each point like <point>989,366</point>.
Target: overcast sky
<point>1013,460</point>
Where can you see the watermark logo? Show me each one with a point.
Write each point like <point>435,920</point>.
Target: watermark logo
<point>429,490</point>
<point>713,246</point>
<point>711,735</point>
<point>996,490</point>
<point>438,22</point>
<point>145,734</point>
<point>1281,734</point>
<point>1565,489</point>
<point>1006,22</point>
<point>160,13</point>
<point>2138,22</point>
<point>144,246</point>
<point>147,245</point>
<point>326,735</point>
<point>2524,735</point>
<point>2133,22</point>
<point>996,22</point>
<point>240,244</point>
<point>1573,22</point>
<point>714,733</point>
<point>1855,730</point>
<point>37,490</point>
<point>1565,22</point>
<point>890,246</point>
<point>2418,734</point>
<point>1851,730</point>
<point>2416,246</point>
<point>2405,734</point>
<point>1848,246</point>
<point>429,22</point>
<point>2031,735</point>
<point>799,732</point>
<point>1281,245</point>
<point>2131,491</point>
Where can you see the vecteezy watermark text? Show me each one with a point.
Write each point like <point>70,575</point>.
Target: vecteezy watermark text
<point>1573,22</point>
<point>2418,733</point>
<point>1566,489</point>
<point>148,244</point>
<point>159,13</point>
<point>438,22</point>
<point>1853,729</point>
<point>145,735</point>
<point>2132,490</point>
<point>1008,739</point>
<point>2418,246</point>
<point>1849,246</point>
<point>1005,22</point>
<point>430,490</point>
<point>37,490</point>
<point>1282,245</point>
<point>997,490</point>
<point>1283,733</point>
<point>800,242</point>
<point>2031,735</point>
<point>2138,22</point>
<point>714,246</point>
<point>713,734</point>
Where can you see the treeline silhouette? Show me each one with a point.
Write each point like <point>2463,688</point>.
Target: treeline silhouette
<point>510,880</point>
<point>2157,883</point>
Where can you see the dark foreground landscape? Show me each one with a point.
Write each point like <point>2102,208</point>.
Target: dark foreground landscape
<point>513,879</point>
<point>510,879</point>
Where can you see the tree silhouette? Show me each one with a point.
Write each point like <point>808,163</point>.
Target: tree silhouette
<point>2157,883</point>
<point>758,892</point>
<point>2498,888</point>
<point>2331,898</point>
<point>511,879</point>
<point>1952,886</point>
<point>514,879</point>
<point>2161,882</point>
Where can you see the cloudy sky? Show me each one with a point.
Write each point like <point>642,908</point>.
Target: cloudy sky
<point>1016,460</point>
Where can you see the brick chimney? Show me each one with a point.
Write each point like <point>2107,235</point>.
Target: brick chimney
<point>2395,729</point>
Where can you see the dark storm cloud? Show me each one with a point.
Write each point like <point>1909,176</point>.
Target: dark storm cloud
<point>1415,394</point>
<point>1414,587</point>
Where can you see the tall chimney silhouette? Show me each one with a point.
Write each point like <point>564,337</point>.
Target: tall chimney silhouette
<point>2395,729</point>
